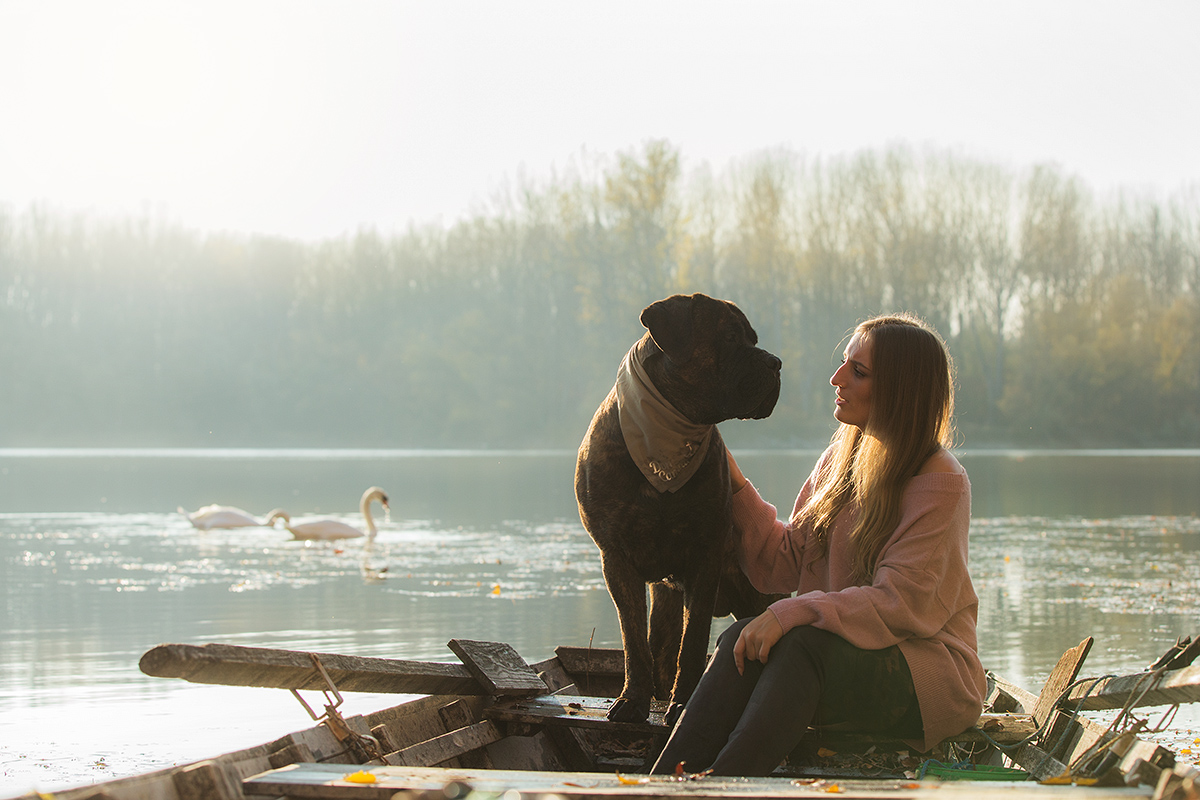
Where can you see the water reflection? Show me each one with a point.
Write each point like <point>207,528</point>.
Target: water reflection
<point>481,547</point>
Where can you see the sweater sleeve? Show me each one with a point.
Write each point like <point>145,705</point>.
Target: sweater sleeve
<point>921,580</point>
<point>771,552</point>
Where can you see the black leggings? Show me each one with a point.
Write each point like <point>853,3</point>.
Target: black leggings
<point>747,724</point>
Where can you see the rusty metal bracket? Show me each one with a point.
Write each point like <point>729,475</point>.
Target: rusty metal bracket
<point>364,746</point>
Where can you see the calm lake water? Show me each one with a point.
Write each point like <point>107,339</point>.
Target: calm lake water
<point>96,567</point>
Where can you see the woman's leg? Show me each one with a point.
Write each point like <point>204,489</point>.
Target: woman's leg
<point>780,708</point>
<point>713,710</point>
<point>816,677</point>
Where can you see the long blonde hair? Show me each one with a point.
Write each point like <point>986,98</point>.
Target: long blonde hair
<point>911,418</point>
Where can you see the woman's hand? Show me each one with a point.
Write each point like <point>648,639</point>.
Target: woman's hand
<point>756,640</point>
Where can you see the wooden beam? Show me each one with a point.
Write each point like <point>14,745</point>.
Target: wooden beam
<point>599,661</point>
<point>1175,686</point>
<point>442,748</point>
<point>234,665</point>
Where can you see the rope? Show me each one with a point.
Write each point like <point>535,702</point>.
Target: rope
<point>1037,734</point>
<point>1123,722</point>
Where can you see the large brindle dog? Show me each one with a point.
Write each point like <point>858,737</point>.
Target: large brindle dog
<point>652,483</point>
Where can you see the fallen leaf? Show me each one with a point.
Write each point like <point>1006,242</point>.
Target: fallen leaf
<point>359,777</point>
<point>631,781</point>
<point>825,752</point>
<point>1057,780</point>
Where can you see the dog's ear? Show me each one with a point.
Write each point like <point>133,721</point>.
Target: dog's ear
<point>670,324</point>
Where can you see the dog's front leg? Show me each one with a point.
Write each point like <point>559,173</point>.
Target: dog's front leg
<point>628,591</point>
<point>699,598</point>
<point>666,632</point>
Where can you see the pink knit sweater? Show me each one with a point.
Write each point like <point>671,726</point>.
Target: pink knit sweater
<point>921,598</point>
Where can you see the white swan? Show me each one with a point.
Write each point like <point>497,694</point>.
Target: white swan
<point>214,516</point>
<point>331,529</point>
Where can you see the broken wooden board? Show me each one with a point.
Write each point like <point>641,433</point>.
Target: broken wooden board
<point>1030,756</point>
<point>234,665</point>
<point>1175,686</point>
<point>600,661</point>
<point>1060,678</point>
<point>498,667</point>
<point>1071,736</point>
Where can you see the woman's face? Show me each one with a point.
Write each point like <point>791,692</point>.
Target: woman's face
<point>853,382</point>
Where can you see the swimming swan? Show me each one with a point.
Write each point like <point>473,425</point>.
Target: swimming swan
<point>330,529</point>
<point>214,516</point>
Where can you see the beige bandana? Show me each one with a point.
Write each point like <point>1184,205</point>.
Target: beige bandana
<point>667,446</point>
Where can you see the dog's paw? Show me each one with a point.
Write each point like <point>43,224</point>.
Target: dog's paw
<point>627,710</point>
<point>672,715</point>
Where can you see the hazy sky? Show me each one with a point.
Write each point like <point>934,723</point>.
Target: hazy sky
<point>312,119</point>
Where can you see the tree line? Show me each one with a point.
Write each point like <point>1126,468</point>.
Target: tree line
<point>1073,320</point>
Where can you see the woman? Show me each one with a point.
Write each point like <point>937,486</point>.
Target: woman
<point>880,634</point>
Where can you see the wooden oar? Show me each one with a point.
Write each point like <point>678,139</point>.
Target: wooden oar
<point>233,665</point>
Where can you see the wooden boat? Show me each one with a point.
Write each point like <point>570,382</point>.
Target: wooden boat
<point>493,724</point>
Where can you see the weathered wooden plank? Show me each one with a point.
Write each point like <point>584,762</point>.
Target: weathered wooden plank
<point>322,781</point>
<point>498,667</point>
<point>1037,762</point>
<point>580,661</point>
<point>234,665</point>
<point>205,780</point>
<point>576,711</point>
<point>459,715</point>
<point>1061,676</point>
<point>1175,686</point>
<point>595,671</point>
<point>292,753</point>
<point>442,748</point>
<point>1024,699</point>
<point>1002,728</point>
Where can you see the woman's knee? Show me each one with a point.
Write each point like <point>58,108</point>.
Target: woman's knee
<point>728,637</point>
<point>805,641</point>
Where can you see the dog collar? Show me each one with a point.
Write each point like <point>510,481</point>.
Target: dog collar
<point>666,446</point>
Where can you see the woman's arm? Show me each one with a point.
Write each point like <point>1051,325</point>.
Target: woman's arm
<point>770,551</point>
<point>920,582</point>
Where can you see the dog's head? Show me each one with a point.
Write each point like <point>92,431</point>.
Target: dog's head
<point>708,364</point>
